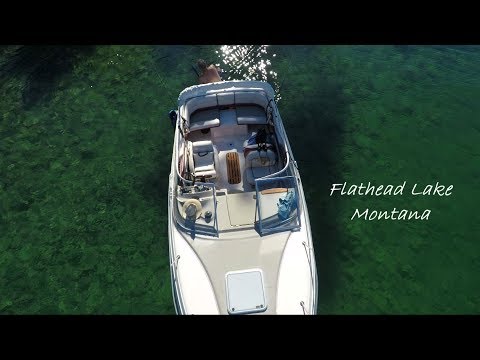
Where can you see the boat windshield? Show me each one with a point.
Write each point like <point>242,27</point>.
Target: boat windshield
<point>276,205</point>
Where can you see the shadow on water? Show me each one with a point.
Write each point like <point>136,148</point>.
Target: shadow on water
<point>315,126</point>
<point>42,66</point>
<point>155,184</point>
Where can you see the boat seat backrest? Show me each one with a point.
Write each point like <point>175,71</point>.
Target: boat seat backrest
<point>250,105</point>
<point>197,103</point>
<point>260,158</point>
<point>260,163</point>
<point>207,115</point>
<point>251,98</point>
<point>201,102</point>
<point>226,99</point>
<point>203,158</point>
<point>242,98</point>
<point>250,108</point>
<point>200,147</point>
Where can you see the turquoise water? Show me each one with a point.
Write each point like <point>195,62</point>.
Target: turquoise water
<point>85,146</point>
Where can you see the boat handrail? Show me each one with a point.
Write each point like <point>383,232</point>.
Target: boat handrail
<point>302,304</point>
<point>287,148</point>
<point>177,150</point>
<point>278,173</point>
<point>174,264</point>
<point>308,250</point>
<point>175,282</point>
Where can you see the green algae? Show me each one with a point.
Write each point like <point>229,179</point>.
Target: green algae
<point>85,149</point>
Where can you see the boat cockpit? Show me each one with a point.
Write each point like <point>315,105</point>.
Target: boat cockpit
<point>226,142</point>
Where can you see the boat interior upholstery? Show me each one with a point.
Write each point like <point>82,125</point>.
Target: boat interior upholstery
<point>203,157</point>
<point>222,146</point>
<point>216,124</point>
<point>205,112</point>
<point>229,142</point>
<point>260,163</point>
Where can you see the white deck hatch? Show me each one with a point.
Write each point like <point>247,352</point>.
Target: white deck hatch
<point>245,292</point>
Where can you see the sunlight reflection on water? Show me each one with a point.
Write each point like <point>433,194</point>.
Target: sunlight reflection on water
<point>248,62</point>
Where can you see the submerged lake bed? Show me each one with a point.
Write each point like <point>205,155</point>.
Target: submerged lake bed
<point>85,151</point>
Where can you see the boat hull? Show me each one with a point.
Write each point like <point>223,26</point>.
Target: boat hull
<point>199,263</point>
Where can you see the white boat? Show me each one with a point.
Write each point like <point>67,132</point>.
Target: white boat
<point>239,232</point>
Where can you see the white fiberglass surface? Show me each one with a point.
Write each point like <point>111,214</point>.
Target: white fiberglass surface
<point>241,208</point>
<point>295,277</point>
<point>245,292</point>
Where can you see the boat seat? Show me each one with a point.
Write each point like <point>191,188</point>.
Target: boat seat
<point>250,144</point>
<point>251,98</point>
<point>204,119</point>
<point>203,158</point>
<point>200,113</point>
<point>260,163</point>
<point>251,115</point>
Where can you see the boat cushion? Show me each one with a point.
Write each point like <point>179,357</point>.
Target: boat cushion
<point>202,112</point>
<point>251,115</point>
<point>201,102</point>
<point>204,158</point>
<point>225,99</point>
<point>203,162</point>
<point>204,119</point>
<point>193,109</point>
<point>251,98</point>
<point>202,146</point>
<point>261,158</point>
<point>206,173</point>
<point>260,164</point>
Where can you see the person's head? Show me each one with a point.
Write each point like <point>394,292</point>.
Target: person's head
<point>202,64</point>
